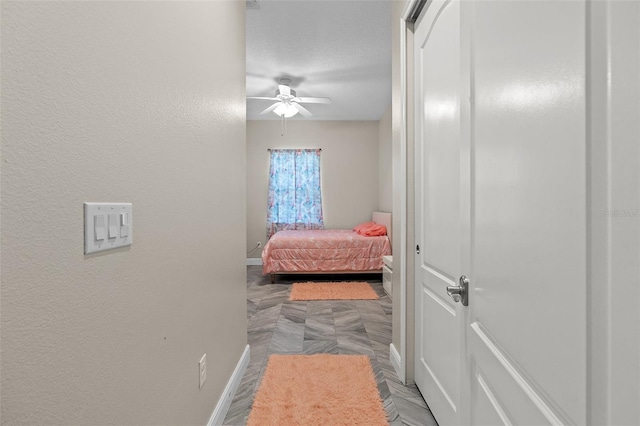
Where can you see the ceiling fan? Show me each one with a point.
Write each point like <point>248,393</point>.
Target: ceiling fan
<point>287,103</point>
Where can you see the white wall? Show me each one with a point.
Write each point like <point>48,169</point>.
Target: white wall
<point>138,102</point>
<point>349,170</point>
<point>385,175</point>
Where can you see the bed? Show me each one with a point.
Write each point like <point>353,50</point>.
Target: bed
<point>327,251</point>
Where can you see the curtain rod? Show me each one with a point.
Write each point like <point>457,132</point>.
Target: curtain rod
<point>296,149</point>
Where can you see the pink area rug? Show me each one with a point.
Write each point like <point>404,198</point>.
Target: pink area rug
<point>332,291</point>
<point>318,390</point>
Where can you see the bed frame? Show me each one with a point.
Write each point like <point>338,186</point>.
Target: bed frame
<point>380,218</point>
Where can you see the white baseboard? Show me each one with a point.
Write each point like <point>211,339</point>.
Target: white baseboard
<point>220,412</point>
<point>396,361</point>
<point>254,261</point>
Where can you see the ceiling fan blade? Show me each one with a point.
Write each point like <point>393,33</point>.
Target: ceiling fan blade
<point>271,108</point>
<point>266,99</point>
<point>314,100</point>
<point>284,90</point>
<point>302,110</point>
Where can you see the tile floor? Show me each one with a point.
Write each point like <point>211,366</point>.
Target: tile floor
<point>276,325</point>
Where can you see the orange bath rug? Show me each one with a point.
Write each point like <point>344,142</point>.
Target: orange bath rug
<point>315,390</point>
<point>332,291</point>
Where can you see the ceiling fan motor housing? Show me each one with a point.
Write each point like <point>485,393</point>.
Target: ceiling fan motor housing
<point>291,95</point>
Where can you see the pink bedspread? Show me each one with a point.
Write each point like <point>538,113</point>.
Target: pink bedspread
<point>323,251</point>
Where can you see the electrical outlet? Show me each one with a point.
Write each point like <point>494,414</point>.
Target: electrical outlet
<point>203,370</point>
<point>259,244</point>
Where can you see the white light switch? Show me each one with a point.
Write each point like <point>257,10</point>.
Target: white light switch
<point>107,226</point>
<point>124,224</point>
<point>98,226</point>
<point>113,226</point>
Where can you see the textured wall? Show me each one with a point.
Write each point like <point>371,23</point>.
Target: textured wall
<point>138,102</point>
<point>385,175</point>
<point>349,170</point>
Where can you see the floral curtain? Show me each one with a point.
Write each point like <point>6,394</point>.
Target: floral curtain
<point>295,201</point>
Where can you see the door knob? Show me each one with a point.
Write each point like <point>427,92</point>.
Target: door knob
<point>454,292</point>
<point>460,292</point>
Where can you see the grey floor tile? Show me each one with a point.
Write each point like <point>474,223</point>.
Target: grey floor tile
<point>385,393</point>
<point>390,374</point>
<point>265,314</point>
<point>319,308</point>
<point>407,392</point>
<point>259,350</point>
<point>414,415</point>
<point>272,299</point>
<point>386,304</point>
<point>277,325</point>
<point>294,311</point>
<point>255,292</point>
<point>287,337</point>
<point>252,307</point>
<point>379,332</point>
<point>259,338</point>
<point>354,342</point>
<point>381,348</point>
<point>320,347</point>
<point>348,320</point>
<point>393,417</point>
<point>373,316</point>
<point>237,414</point>
<point>344,305</point>
<point>319,329</point>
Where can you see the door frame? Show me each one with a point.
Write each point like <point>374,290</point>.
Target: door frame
<point>402,357</point>
<point>608,332</point>
<point>613,296</point>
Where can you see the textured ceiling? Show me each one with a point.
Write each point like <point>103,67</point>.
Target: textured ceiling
<point>335,49</point>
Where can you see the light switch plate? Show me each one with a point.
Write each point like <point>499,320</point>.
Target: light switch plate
<point>114,239</point>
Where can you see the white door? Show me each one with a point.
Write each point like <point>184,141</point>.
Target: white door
<point>437,162</point>
<point>527,323</point>
<point>501,198</point>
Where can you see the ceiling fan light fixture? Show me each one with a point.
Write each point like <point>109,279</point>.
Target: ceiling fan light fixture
<point>286,110</point>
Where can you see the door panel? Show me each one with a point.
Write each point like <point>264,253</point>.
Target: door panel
<point>442,364</point>
<point>512,394</point>
<point>440,142</point>
<point>490,412</point>
<point>528,310</point>
<point>438,328</point>
<point>513,215</point>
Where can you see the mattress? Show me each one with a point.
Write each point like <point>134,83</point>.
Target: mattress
<point>323,251</point>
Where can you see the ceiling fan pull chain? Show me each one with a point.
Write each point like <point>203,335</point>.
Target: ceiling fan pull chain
<point>282,132</point>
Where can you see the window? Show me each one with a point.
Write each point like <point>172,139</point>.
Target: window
<point>295,201</point>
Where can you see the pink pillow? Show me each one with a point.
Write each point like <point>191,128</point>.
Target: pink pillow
<point>362,226</point>
<point>372,229</point>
